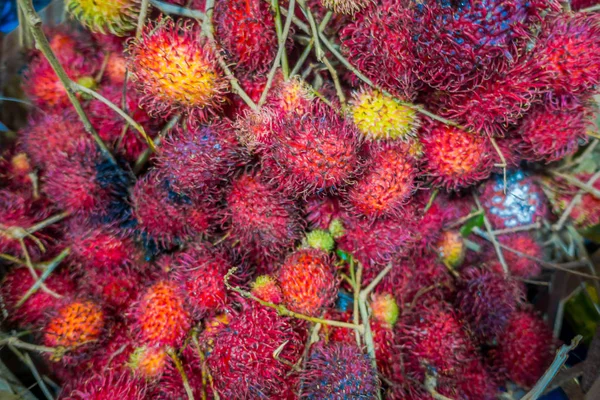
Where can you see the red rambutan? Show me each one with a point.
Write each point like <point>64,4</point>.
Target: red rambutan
<point>525,348</point>
<point>551,134</point>
<point>105,385</point>
<point>307,281</point>
<point>587,213</point>
<point>321,211</point>
<point>175,70</point>
<point>16,170</point>
<point>116,285</point>
<point>251,371</point>
<point>487,300</point>
<point>266,288</point>
<point>455,158</point>
<point>115,352</point>
<point>338,371</point>
<point>160,317</point>
<point>264,221</point>
<point>519,265</point>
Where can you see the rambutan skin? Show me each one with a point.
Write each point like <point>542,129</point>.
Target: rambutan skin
<point>251,371</point>
<point>587,213</point>
<point>160,317</point>
<point>518,265</point>
<point>454,158</point>
<point>316,152</point>
<point>105,385</point>
<point>32,312</point>
<point>115,16</point>
<point>266,288</point>
<point>338,371</point>
<point>175,70</point>
<point>75,324</point>
<point>117,285</point>
<point>264,221</point>
<point>321,211</point>
<point>525,349</point>
<point>149,362</point>
<point>307,281</point>
<point>551,134</point>
<point>200,158</point>
<point>487,300</point>
<point>386,184</point>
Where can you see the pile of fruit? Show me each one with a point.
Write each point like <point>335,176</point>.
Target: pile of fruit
<point>336,199</point>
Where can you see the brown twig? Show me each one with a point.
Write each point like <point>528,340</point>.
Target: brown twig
<point>576,182</point>
<point>178,10</point>
<point>145,156</point>
<point>576,200</point>
<point>502,164</point>
<point>462,220</point>
<point>522,228</point>
<point>357,282</point>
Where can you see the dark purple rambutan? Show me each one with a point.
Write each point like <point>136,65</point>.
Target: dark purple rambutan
<point>460,44</point>
<point>105,385</point>
<point>315,152</point>
<point>321,211</point>
<point>569,49</point>
<point>525,349</point>
<point>487,300</point>
<point>307,281</point>
<point>338,371</point>
<point>387,183</point>
<point>32,312</point>
<point>198,159</point>
<point>377,42</point>
<point>164,215</point>
<point>175,69</point>
<point>377,242</point>
<point>551,134</point>
<point>455,158</point>
<point>251,371</point>
<point>160,317</point>
<point>246,30</point>
<point>199,273</point>
<point>518,265</point>
<point>522,202</point>
<point>264,221</point>
<point>110,125</point>
<point>46,137</point>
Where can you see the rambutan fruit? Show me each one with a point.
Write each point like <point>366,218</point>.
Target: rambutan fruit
<point>338,371</point>
<point>378,116</point>
<point>116,285</point>
<point>170,386</point>
<point>458,45</point>
<point>115,68</point>
<point>198,159</point>
<point>307,281</point>
<point>386,184</point>
<point>290,98</point>
<point>105,385</point>
<point>32,312</point>
<point>199,272</point>
<point>175,70</point>
<point>455,158</point>
<point>346,6</point>
<point>568,49</point>
<point>320,240</point>
<point>451,248</point>
<point>16,170</point>
<point>517,264</point>
<point>377,42</point>
<point>45,138</point>
<point>522,202</point>
<point>587,213</point>
<point>266,288</point>
<point>525,348</point>
<point>75,326</point>
<point>264,221</point>
<point>148,362</point>
<point>487,300</point>
<point>251,371</point>
<point>246,30</point>
<point>317,152</point>
<point>115,352</point>
<point>385,309</point>
<point>376,243</point>
<point>115,16</point>
<point>254,129</point>
<point>321,211</point>
<point>578,5</point>
<point>160,317</point>
<point>253,84</point>
<point>165,216</point>
<point>551,134</point>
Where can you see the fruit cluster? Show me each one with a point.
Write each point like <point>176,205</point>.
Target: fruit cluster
<point>200,269</point>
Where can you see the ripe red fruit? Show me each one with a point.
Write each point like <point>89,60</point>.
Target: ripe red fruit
<point>377,43</point>
<point>114,354</point>
<point>246,30</point>
<point>569,48</point>
<point>267,289</point>
<point>338,371</point>
<point>117,286</point>
<point>307,281</point>
<point>105,385</point>
<point>264,221</point>
<point>551,134</point>
<point>587,213</point>
<point>487,300</point>
<point>175,70</point>
<point>525,349</point>
<point>519,265</point>
<point>198,159</point>
<point>454,158</point>
<point>251,371</point>
<point>199,273</point>
<point>387,183</point>
<point>321,211</point>
<point>170,386</point>
<point>17,283</point>
<point>313,153</point>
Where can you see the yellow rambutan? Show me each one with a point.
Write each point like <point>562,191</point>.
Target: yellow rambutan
<point>115,16</point>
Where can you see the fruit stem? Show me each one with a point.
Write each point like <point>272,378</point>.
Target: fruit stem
<point>184,378</point>
<point>141,19</point>
<point>357,279</point>
<point>50,267</point>
<point>31,269</point>
<point>311,43</point>
<point>284,59</point>
<point>587,187</point>
<point>178,10</point>
<point>42,44</point>
<point>143,158</point>
<point>491,236</point>
<point>15,341</point>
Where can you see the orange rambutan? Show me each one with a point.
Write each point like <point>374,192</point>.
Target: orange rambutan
<point>148,362</point>
<point>175,70</point>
